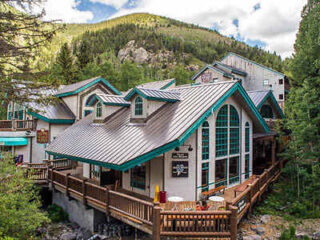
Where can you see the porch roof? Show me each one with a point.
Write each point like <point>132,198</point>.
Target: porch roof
<point>120,145</point>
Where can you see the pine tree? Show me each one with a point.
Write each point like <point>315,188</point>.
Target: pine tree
<point>66,68</point>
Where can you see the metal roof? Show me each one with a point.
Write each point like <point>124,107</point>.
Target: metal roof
<point>258,96</point>
<point>117,141</point>
<point>231,68</point>
<point>158,84</point>
<point>56,110</point>
<point>108,99</point>
<point>214,68</point>
<point>155,94</point>
<point>79,86</point>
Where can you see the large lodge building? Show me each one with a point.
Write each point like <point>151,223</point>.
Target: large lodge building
<point>187,140</point>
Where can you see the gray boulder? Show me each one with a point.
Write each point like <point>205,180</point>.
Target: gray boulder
<point>68,236</point>
<point>265,219</point>
<point>252,237</point>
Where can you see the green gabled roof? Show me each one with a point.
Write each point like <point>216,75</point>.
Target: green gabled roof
<point>232,69</point>
<point>273,100</point>
<point>78,87</point>
<point>109,100</point>
<point>145,132</point>
<point>154,94</point>
<point>57,121</point>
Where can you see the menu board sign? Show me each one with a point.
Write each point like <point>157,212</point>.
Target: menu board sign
<point>42,136</point>
<point>180,169</point>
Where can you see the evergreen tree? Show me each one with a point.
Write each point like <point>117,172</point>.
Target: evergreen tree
<point>66,69</point>
<point>303,116</point>
<point>84,55</point>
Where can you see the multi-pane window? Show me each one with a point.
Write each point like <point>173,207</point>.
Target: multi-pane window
<point>9,111</point>
<point>221,172</point>
<point>247,165</point>
<point>99,110</point>
<point>205,141</point>
<point>138,106</point>
<point>138,177</point>
<point>222,132</point>
<point>234,131</point>
<point>205,177</point>
<point>234,170</point>
<point>247,137</point>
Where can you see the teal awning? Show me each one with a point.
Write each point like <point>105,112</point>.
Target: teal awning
<point>13,141</point>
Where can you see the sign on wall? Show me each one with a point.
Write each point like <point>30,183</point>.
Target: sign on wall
<point>42,136</point>
<point>242,204</point>
<point>180,169</point>
<point>206,77</point>
<point>179,155</point>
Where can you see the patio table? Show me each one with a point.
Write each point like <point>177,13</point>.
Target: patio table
<point>217,200</point>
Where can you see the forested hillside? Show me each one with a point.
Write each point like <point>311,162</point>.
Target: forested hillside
<point>139,48</point>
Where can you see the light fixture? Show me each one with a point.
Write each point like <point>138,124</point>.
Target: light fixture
<point>177,149</point>
<point>190,149</point>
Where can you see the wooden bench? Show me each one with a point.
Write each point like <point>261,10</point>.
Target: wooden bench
<point>211,192</point>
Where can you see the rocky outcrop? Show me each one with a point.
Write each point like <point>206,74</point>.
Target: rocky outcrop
<point>134,54</point>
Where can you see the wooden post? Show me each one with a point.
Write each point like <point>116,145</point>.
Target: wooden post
<point>107,201</point>
<point>156,222</point>
<point>250,197</point>
<point>67,184</point>
<point>233,222</point>
<point>84,192</point>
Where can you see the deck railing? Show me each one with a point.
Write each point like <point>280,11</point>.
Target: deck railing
<point>152,219</point>
<point>17,125</point>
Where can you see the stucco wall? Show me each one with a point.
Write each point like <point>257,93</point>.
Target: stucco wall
<point>184,187</point>
<point>71,102</point>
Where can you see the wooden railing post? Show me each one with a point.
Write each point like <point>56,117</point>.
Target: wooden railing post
<point>84,191</point>
<point>234,222</point>
<point>156,222</point>
<point>107,201</point>
<point>67,184</point>
<point>250,193</point>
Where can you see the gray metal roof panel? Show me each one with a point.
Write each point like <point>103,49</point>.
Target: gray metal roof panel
<point>56,110</point>
<point>113,99</point>
<point>75,86</point>
<point>156,84</point>
<point>117,141</point>
<point>165,94</point>
<point>257,96</point>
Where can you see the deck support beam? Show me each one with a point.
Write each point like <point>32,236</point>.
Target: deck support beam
<point>156,222</point>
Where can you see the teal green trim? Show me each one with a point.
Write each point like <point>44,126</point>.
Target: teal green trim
<point>13,141</point>
<point>89,85</point>
<point>168,84</point>
<point>57,121</point>
<point>137,91</point>
<point>274,101</point>
<point>248,60</point>
<point>171,145</point>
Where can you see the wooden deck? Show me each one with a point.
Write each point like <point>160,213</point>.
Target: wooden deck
<point>151,218</point>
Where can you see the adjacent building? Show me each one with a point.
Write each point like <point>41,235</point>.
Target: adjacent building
<point>252,75</point>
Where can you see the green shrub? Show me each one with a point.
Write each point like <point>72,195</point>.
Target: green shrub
<point>57,214</point>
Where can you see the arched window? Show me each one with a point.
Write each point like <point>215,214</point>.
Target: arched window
<point>99,110</point>
<point>222,132</point>
<point>247,137</point>
<point>234,131</point>
<point>266,111</point>
<point>89,100</point>
<point>205,141</point>
<point>9,111</point>
<point>227,164</point>
<point>138,106</point>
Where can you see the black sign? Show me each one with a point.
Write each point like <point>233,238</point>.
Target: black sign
<point>180,169</point>
<point>180,155</point>
<point>242,204</point>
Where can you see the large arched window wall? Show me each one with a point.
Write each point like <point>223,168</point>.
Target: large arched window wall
<point>227,164</point>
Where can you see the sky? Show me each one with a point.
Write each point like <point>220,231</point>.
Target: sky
<point>269,24</point>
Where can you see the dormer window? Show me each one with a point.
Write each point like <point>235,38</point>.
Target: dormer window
<point>138,106</point>
<point>99,110</point>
